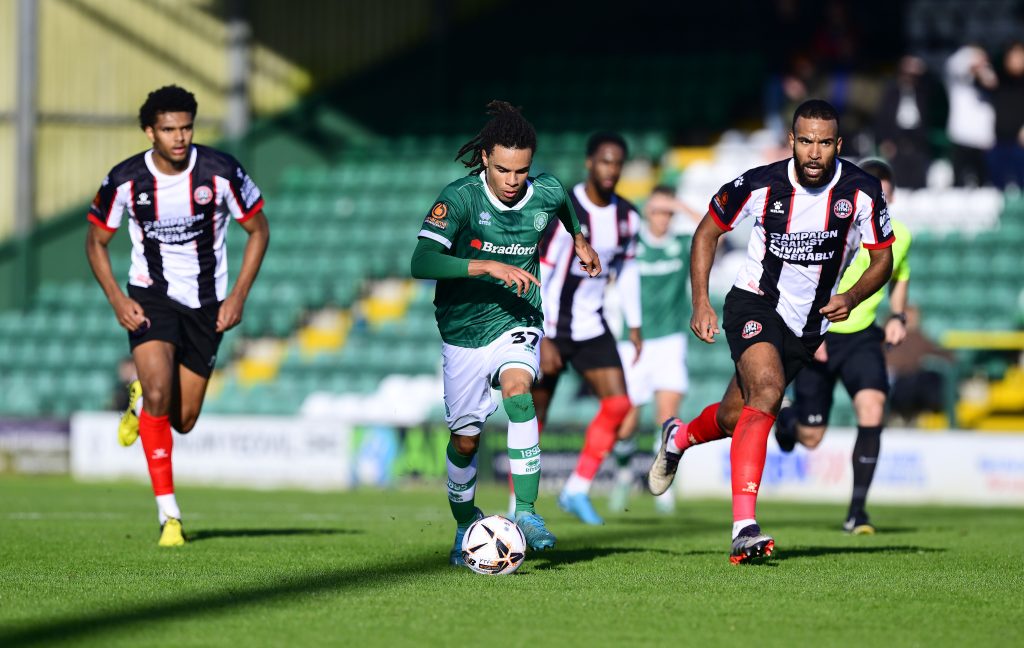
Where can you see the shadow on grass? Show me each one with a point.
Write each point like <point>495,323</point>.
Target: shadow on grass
<point>559,558</point>
<point>817,552</point>
<point>195,536</point>
<point>90,625</point>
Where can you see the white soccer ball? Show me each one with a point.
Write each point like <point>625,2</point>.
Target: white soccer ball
<point>493,546</point>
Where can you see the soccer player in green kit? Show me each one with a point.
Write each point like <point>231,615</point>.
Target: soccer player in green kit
<point>479,242</point>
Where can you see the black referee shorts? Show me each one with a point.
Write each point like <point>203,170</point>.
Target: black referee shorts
<point>854,358</point>
<point>192,331</point>
<point>749,319</point>
<point>596,353</point>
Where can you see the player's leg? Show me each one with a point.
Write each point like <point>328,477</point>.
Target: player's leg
<point>196,360</point>
<point>598,362</point>
<point>188,397</point>
<point>866,379</point>
<point>155,361</point>
<point>670,381</point>
<point>468,403</point>
<point>806,419</point>
<point>639,390</point>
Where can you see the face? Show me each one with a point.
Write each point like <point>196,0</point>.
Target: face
<point>658,214</point>
<point>1014,60</point>
<point>816,143</point>
<point>171,136</point>
<point>604,167</point>
<point>506,170</point>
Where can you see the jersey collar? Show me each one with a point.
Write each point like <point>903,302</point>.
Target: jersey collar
<point>791,174</point>
<point>580,190</point>
<point>500,206</point>
<point>177,176</point>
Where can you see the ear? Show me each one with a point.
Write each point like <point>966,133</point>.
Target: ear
<point>839,145</point>
<point>150,134</point>
<point>483,156</point>
<point>792,139</point>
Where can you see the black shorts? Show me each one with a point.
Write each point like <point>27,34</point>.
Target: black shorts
<point>596,353</point>
<point>854,358</point>
<point>192,331</point>
<point>749,319</point>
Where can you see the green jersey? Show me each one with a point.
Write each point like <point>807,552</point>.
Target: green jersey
<point>664,266</point>
<point>473,223</point>
<point>864,315</point>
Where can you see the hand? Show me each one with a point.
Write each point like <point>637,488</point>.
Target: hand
<point>230,313</point>
<point>638,343</point>
<point>550,358</point>
<point>510,275</point>
<point>838,308</point>
<point>129,314</point>
<point>821,353</point>
<point>704,323</point>
<point>589,260</point>
<point>895,332</point>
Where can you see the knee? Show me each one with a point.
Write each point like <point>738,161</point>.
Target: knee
<point>870,408</point>
<point>466,445</point>
<point>765,396</point>
<point>616,407</point>
<point>156,398</point>
<point>810,438</point>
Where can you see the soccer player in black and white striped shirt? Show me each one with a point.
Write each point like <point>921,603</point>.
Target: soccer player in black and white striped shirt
<point>813,212</point>
<point>178,199</point>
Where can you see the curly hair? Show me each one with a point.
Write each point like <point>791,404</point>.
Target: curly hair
<point>506,127</point>
<point>170,98</point>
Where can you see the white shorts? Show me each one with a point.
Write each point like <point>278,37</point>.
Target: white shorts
<point>470,374</point>
<point>662,367</point>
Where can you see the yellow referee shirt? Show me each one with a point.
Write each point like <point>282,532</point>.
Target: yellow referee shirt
<point>864,315</point>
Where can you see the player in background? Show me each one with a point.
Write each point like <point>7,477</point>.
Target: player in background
<point>179,198</point>
<point>663,262</point>
<point>812,212</point>
<point>480,243</point>
<point>574,325</point>
<point>852,352</point>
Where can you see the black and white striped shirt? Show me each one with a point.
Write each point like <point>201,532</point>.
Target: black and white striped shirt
<point>574,301</point>
<point>177,222</point>
<point>803,239</point>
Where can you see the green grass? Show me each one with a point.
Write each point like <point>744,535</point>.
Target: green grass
<point>79,565</point>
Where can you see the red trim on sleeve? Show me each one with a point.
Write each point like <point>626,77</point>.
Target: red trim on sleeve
<point>98,223</point>
<point>879,246</point>
<point>718,221</point>
<point>547,263</point>
<point>252,210</point>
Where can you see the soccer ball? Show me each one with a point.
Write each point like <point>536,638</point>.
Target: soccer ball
<point>494,546</point>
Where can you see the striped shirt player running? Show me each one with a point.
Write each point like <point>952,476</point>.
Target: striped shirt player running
<point>575,331</point>
<point>812,212</point>
<point>479,242</point>
<point>852,352</point>
<point>177,199</point>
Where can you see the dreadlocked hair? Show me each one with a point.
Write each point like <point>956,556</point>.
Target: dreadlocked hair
<point>506,127</point>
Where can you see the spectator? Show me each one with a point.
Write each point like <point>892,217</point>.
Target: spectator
<point>1006,161</point>
<point>916,385</point>
<point>901,124</point>
<point>971,126</point>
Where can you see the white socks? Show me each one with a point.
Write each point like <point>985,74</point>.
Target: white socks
<point>167,507</point>
<point>739,525</point>
<point>577,484</point>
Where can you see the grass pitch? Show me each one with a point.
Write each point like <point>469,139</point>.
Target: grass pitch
<point>79,565</point>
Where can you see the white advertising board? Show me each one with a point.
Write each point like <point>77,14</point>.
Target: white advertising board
<point>261,452</point>
<point>914,467</point>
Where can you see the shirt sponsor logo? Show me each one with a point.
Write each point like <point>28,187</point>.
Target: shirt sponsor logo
<point>514,249</point>
<point>751,329</point>
<point>250,192</point>
<point>143,199</point>
<point>885,222</point>
<point>802,246</point>
<point>439,224</point>
<point>540,221</point>
<point>843,208</point>
<point>174,230</point>
<point>202,195</point>
<point>485,218</point>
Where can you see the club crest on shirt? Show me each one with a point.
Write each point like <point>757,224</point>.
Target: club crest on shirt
<point>540,221</point>
<point>202,195</point>
<point>843,208</point>
<point>751,329</point>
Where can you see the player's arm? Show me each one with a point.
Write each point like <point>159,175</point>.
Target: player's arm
<point>704,322</point>
<point>589,260</point>
<point>896,327</point>
<point>431,261</point>
<point>230,313</point>
<point>128,311</point>
<point>628,284</point>
<point>877,275</point>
